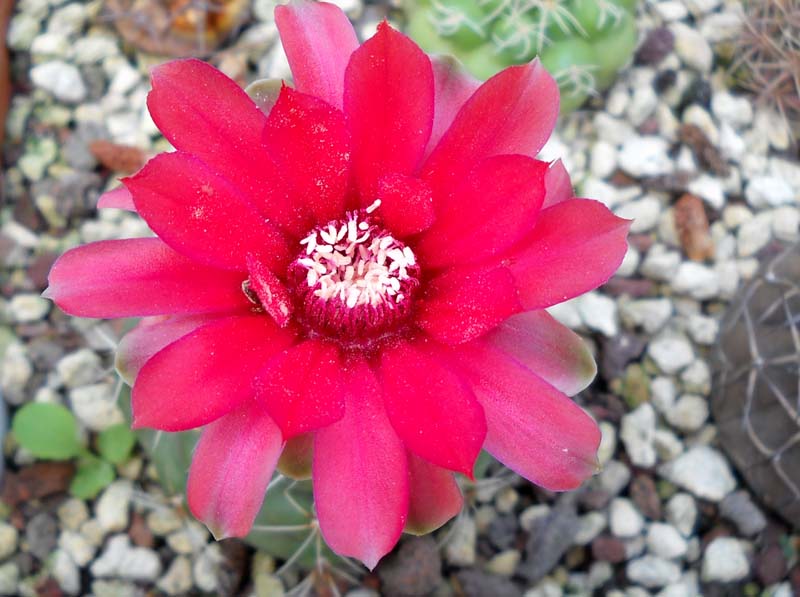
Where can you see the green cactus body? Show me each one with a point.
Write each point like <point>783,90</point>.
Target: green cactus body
<point>583,43</point>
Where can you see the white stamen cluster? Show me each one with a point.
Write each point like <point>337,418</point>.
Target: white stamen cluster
<point>357,262</point>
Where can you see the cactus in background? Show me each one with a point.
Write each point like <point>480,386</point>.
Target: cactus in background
<point>755,401</point>
<point>583,43</point>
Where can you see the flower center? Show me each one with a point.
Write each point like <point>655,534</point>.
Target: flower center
<point>353,280</point>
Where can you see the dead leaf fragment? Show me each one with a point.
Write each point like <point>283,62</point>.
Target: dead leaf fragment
<point>119,158</point>
<point>692,225</point>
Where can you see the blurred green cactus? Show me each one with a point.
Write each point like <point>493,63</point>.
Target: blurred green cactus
<point>583,43</point>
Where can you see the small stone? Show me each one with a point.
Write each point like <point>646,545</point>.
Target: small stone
<point>754,235</point>
<point>94,48</point>
<point>644,212</point>
<point>79,368</point>
<point>637,430</point>
<point>614,477</point>
<point>66,573</point>
<point>121,560</point>
<point>96,406</point>
<point>178,578</point>
<point>206,568</point>
<point>658,42</point>
<point>645,496</point>
<point>603,159</point>
<point>653,572</point>
<point>15,372</point>
<point>8,540</point>
<point>671,352</point>
<point>697,280</point>
<point>689,413</point>
<point>703,471</point>
<point>734,110</point>
<point>460,549</point>
<point>608,443</point>
<point>549,539</point>
<point>609,549</point>
<point>692,48</point>
<point>786,223</point>
<point>663,393</point>
<point>643,104</point>
<point>660,263</point>
<point>21,31</point>
<point>112,506</point>
<point>625,520</point>
<point>61,79</point>
<point>739,508</point>
<point>41,535</point>
<point>649,314</point>
<point>599,312</point>
<point>27,308</point>
<point>702,329</point>
<point>696,378</point>
<point>768,191</point>
<point>77,547</point>
<point>668,446</point>
<point>726,560</point>
<point>476,583</point>
<point>413,569</point>
<point>9,578</point>
<point>504,563</point>
<point>646,156</point>
<point>665,541</point>
<point>590,525</point>
<point>635,386</point>
<point>710,189</point>
<point>163,521</point>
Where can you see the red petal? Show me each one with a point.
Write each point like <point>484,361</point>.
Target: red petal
<point>360,474</point>
<point>453,86</point>
<point>231,469</point>
<point>137,277</point>
<point>576,246</point>
<point>309,141</point>
<point>318,40</point>
<point>431,408</point>
<point>295,460</point>
<point>406,204</point>
<point>198,213</point>
<point>551,350</point>
<point>532,428</point>
<point>434,496</point>
<point>205,374</point>
<point>492,209</point>
<point>149,337</point>
<point>513,112</point>
<point>558,185</point>
<point>461,304</point>
<point>119,198</point>
<point>300,387</point>
<point>388,99</point>
<point>270,291</point>
<point>192,103</point>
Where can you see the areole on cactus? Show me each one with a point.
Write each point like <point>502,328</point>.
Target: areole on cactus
<point>348,281</point>
<point>583,43</point>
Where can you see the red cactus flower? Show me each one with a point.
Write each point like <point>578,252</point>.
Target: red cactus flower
<point>362,263</point>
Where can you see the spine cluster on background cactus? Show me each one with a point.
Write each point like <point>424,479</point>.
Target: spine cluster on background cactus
<point>582,42</point>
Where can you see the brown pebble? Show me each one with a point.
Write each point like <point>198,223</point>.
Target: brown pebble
<point>608,549</point>
<point>707,155</point>
<point>692,226</point>
<point>655,47</point>
<point>770,564</point>
<point>36,481</point>
<point>119,158</point>
<point>645,495</point>
<point>139,532</point>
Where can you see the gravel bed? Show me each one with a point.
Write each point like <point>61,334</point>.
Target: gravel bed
<point>712,182</point>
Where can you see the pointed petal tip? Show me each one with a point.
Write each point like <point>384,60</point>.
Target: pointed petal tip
<point>47,293</point>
